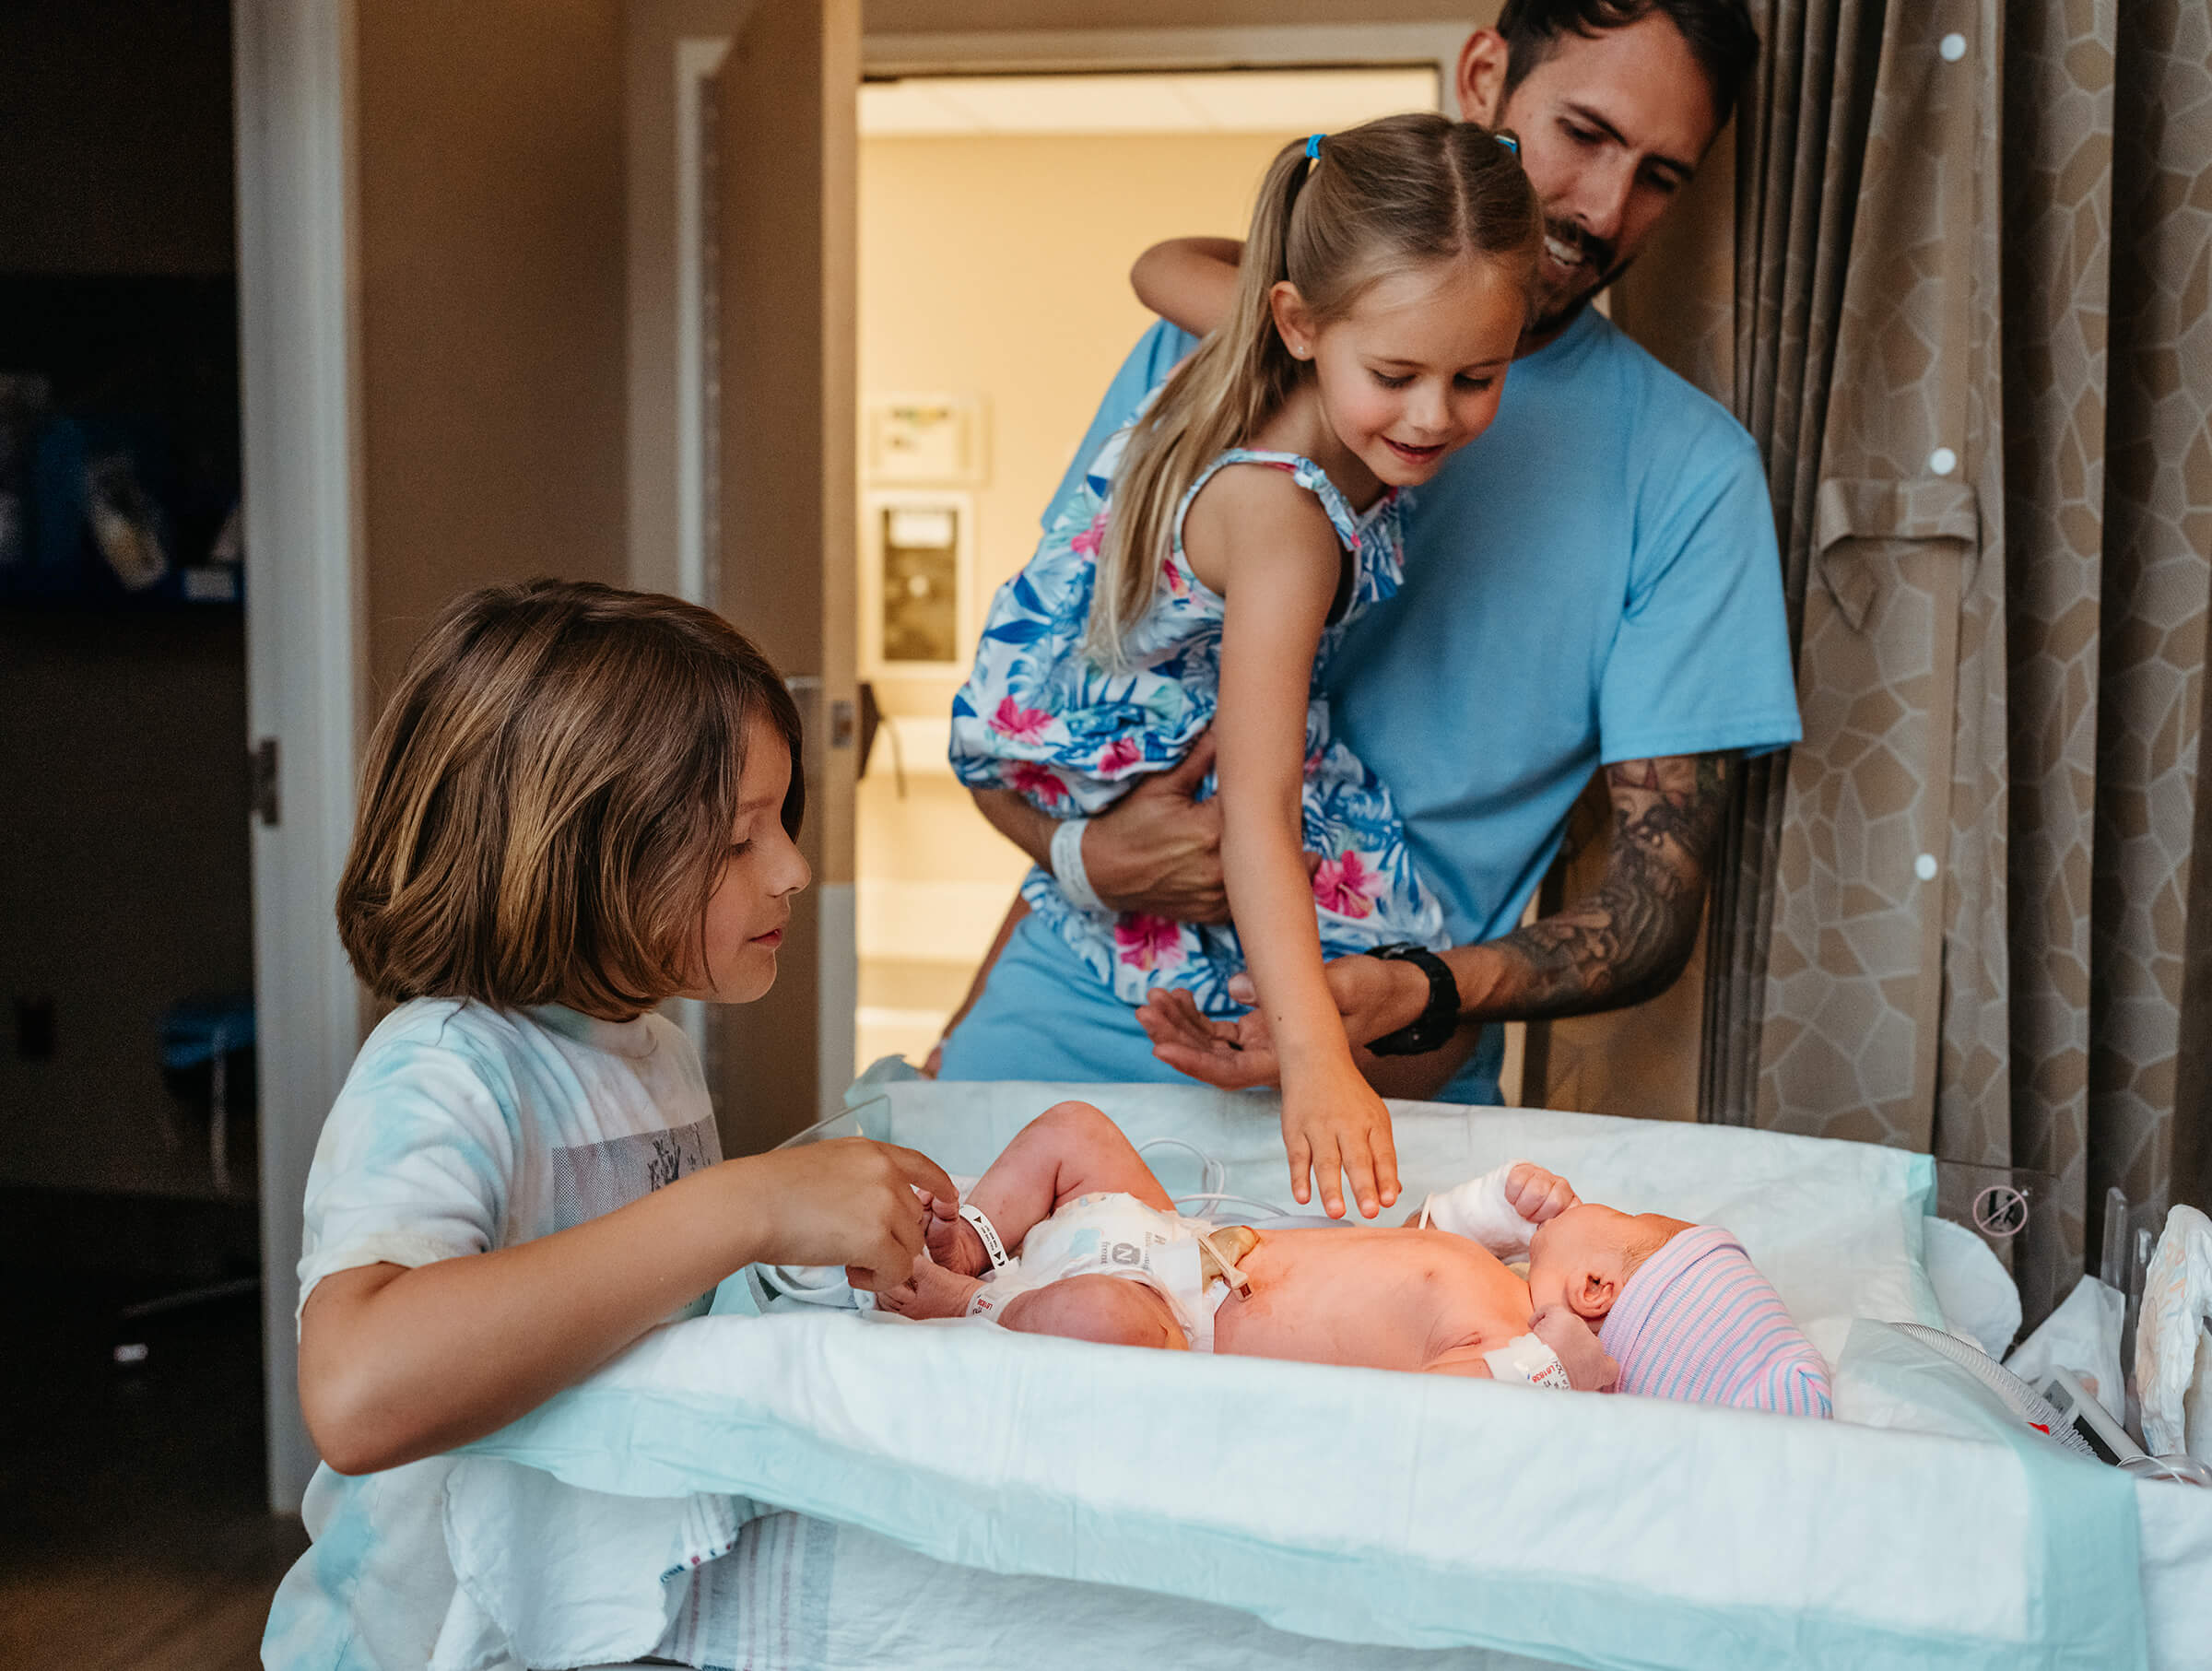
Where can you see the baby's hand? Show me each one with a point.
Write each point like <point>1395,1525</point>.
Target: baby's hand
<point>1340,1129</point>
<point>1589,1368</point>
<point>1538,1195</point>
<point>851,1202</point>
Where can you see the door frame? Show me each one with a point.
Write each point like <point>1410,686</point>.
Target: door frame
<point>698,57</point>
<point>293,66</point>
<point>1183,47</point>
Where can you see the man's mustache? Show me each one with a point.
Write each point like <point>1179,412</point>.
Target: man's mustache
<point>1595,251</point>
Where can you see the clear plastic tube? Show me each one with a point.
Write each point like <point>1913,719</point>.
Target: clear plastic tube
<point>1212,1174</point>
<point>1226,1197</point>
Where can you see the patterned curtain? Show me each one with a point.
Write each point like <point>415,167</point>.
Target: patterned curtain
<point>1972,310</point>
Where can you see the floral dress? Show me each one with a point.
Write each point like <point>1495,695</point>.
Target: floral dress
<point>1037,716</point>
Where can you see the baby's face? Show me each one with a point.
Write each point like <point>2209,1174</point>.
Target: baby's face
<point>1584,1258</point>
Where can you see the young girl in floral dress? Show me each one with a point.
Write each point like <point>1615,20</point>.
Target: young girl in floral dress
<point>1219,547</point>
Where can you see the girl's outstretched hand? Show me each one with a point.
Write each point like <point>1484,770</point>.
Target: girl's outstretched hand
<point>1340,1129</point>
<point>849,1201</point>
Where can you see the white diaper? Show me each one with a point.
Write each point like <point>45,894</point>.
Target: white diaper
<point>1115,1235</point>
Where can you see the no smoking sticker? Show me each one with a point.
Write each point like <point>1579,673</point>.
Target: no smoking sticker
<point>2000,1210</point>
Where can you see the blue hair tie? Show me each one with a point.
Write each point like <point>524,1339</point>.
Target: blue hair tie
<point>1508,141</point>
<point>1313,145</point>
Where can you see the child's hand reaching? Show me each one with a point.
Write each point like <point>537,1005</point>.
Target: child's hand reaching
<point>1339,1129</point>
<point>851,1202</point>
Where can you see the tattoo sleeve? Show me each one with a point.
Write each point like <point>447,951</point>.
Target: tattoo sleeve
<point>1629,940</point>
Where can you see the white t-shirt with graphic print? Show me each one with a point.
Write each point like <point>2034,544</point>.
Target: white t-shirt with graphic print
<point>463,1128</point>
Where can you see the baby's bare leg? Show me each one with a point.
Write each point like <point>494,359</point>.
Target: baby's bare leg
<point>1109,1310</point>
<point>1070,1149</point>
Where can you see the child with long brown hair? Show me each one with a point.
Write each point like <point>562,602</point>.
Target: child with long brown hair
<point>580,801</point>
<point>1221,545</point>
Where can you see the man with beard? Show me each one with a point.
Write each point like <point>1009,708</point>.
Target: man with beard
<point>1594,582</point>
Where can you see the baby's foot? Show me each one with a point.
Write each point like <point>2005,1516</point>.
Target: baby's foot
<point>931,1291</point>
<point>953,1242</point>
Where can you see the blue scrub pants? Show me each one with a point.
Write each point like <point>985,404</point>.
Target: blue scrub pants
<point>1043,1016</point>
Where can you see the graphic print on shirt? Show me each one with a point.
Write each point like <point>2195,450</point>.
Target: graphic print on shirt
<point>595,1179</point>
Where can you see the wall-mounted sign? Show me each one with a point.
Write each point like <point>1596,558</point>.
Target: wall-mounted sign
<point>925,438</point>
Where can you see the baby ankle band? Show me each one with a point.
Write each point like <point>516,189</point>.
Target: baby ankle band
<point>993,1248</point>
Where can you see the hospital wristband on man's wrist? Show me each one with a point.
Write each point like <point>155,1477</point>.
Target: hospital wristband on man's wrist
<point>1524,1358</point>
<point>1067,857</point>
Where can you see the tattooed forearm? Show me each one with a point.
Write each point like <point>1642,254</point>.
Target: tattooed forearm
<point>1629,940</point>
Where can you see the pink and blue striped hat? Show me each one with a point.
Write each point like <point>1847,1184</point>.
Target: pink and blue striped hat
<point>1697,1323</point>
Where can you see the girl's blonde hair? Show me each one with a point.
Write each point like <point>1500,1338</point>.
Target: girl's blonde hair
<point>1390,194</point>
<point>549,796</point>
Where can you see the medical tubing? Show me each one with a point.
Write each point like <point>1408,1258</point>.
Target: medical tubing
<point>1220,1197</point>
<point>2023,1400</point>
<point>1212,1174</point>
<point>2183,1469</point>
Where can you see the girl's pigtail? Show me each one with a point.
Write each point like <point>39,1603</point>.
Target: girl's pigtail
<point>1229,385</point>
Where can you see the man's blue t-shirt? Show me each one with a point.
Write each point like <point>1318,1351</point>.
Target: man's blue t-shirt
<point>1594,579</point>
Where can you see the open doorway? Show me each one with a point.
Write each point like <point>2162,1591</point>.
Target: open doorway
<point>129,1225</point>
<point>998,219</point>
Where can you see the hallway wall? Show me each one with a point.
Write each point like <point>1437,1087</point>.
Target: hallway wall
<point>492,303</point>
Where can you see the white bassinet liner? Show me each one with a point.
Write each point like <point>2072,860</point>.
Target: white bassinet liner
<point>1595,1531</point>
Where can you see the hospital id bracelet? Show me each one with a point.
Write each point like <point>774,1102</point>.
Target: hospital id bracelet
<point>1435,1024</point>
<point>1067,857</point>
<point>1526,1357</point>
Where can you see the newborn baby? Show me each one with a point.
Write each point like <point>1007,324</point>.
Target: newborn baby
<point>1104,1257</point>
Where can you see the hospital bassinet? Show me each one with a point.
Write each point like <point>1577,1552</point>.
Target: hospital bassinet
<point>817,1491</point>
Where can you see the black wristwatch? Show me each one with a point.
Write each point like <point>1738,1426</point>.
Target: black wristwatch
<point>1438,1022</point>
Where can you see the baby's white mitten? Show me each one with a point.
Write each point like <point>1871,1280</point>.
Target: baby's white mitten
<point>1478,1210</point>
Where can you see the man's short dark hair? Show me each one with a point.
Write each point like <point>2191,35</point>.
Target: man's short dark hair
<point>1719,34</point>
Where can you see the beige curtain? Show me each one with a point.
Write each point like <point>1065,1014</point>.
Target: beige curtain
<point>1972,310</point>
